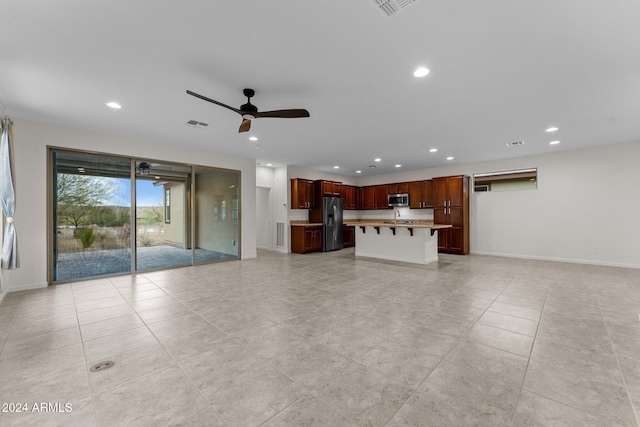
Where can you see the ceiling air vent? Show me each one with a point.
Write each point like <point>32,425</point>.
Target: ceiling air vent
<point>515,143</point>
<point>392,7</point>
<point>197,124</point>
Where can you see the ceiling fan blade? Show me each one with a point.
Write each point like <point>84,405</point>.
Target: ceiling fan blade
<point>244,126</point>
<point>213,101</point>
<point>285,114</point>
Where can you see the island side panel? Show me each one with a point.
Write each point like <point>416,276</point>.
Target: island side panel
<point>421,248</point>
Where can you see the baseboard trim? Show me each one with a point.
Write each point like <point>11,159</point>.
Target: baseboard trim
<point>567,260</point>
<point>27,287</point>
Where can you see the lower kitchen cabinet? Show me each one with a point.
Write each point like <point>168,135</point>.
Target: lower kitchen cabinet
<point>306,238</point>
<point>348,236</point>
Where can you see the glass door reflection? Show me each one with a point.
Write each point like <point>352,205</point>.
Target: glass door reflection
<point>217,215</point>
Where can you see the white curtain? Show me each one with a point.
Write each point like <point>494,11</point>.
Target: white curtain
<point>10,259</point>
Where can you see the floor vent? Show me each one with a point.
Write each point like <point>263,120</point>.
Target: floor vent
<point>196,124</point>
<point>392,7</point>
<point>102,366</point>
<point>280,234</point>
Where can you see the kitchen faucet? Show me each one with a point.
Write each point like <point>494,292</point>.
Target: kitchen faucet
<point>396,215</point>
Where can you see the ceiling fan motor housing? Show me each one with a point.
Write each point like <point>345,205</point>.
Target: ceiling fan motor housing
<point>249,107</point>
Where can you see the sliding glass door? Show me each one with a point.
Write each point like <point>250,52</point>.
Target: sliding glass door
<point>92,215</point>
<point>217,214</point>
<point>163,237</point>
<point>115,215</point>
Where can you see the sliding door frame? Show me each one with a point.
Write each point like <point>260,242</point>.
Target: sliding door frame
<point>51,185</point>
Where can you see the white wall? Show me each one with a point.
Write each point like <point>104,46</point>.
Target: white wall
<point>31,140</point>
<point>174,231</point>
<point>586,208</point>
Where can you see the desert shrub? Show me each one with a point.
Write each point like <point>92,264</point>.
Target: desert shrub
<point>146,240</point>
<point>86,236</point>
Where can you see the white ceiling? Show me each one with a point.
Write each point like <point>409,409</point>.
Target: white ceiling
<point>501,71</point>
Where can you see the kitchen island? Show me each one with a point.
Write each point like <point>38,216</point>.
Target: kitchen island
<point>414,241</point>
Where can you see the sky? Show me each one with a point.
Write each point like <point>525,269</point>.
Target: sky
<point>146,193</point>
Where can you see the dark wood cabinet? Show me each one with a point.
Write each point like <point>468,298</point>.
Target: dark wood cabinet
<point>367,198</point>
<point>381,197</point>
<point>348,236</point>
<point>421,194</point>
<point>451,207</point>
<point>374,197</point>
<point>328,188</point>
<point>349,195</point>
<point>305,239</point>
<point>402,187</point>
<point>302,194</point>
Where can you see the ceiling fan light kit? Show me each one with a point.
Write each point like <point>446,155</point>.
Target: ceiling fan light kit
<point>249,111</point>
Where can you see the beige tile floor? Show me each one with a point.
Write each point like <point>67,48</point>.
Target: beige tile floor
<point>328,340</point>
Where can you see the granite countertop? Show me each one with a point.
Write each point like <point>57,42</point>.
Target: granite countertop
<point>303,223</point>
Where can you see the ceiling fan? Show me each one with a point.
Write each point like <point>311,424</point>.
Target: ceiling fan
<point>249,111</point>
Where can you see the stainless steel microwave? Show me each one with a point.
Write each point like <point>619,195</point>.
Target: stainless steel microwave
<point>399,200</point>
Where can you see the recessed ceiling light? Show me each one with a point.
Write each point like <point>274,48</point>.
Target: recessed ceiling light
<point>398,166</point>
<point>269,164</point>
<point>377,159</point>
<point>450,158</point>
<point>421,72</point>
<point>114,105</point>
<point>336,167</point>
<point>358,171</point>
<point>433,150</point>
<point>554,142</point>
<point>253,138</point>
<point>551,129</point>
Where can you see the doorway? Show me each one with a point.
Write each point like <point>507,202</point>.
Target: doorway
<point>263,218</point>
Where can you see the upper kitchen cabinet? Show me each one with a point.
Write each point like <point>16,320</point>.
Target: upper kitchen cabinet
<point>451,207</point>
<point>349,195</point>
<point>374,197</point>
<point>302,194</point>
<point>421,194</point>
<point>382,196</point>
<point>367,197</point>
<point>328,188</point>
<point>402,187</point>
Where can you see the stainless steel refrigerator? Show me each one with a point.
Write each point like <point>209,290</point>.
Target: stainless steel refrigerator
<point>331,223</point>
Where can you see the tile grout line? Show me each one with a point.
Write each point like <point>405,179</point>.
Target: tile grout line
<point>13,319</point>
<point>615,354</point>
<point>86,361</point>
<point>169,354</point>
<point>524,377</point>
<point>416,391</point>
